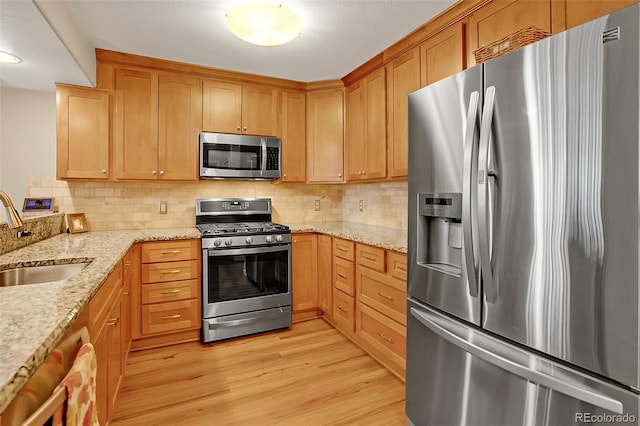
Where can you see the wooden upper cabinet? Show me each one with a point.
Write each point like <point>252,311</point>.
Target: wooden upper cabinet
<point>501,18</point>
<point>581,11</point>
<point>293,136</point>
<point>442,55</point>
<point>179,112</point>
<point>366,128</point>
<point>83,133</point>
<point>157,125</point>
<point>403,77</point>
<point>234,108</point>
<point>136,124</point>
<point>325,128</point>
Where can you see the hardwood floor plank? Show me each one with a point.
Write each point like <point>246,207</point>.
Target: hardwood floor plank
<point>307,375</point>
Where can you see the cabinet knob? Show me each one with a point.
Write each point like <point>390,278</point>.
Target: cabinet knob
<point>244,128</point>
<point>339,174</point>
<point>153,172</point>
<point>161,172</point>
<point>104,172</point>
<point>284,175</point>
<point>238,128</point>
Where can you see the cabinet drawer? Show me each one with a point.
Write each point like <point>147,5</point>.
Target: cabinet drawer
<point>371,257</point>
<point>397,265</point>
<point>172,316</point>
<point>343,311</point>
<point>170,291</point>
<point>169,271</point>
<point>383,293</point>
<point>103,300</point>
<point>344,276</point>
<point>169,251</point>
<point>384,336</point>
<point>344,249</point>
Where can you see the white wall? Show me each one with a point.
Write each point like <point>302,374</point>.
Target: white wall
<point>27,140</point>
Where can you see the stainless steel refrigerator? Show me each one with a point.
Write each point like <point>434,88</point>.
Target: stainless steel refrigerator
<point>524,231</point>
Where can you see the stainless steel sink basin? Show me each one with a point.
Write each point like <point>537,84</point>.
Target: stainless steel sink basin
<point>40,274</point>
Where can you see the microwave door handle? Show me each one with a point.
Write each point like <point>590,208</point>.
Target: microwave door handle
<point>263,163</point>
<point>484,173</point>
<point>470,264</point>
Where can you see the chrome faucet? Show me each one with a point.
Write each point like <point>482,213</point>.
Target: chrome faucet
<point>13,218</point>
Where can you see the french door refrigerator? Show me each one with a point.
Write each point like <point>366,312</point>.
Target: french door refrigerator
<point>524,230</point>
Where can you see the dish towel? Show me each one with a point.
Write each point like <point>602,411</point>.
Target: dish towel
<point>80,383</point>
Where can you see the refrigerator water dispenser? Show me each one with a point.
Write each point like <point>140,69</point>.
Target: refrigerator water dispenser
<point>440,232</point>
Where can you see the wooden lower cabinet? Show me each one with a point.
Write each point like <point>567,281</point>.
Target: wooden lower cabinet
<point>304,254</point>
<point>167,303</point>
<point>325,275</point>
<point>344,312</point>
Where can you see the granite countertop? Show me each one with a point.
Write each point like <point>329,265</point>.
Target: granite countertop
<point>34,317</point>
<point>388,238</point>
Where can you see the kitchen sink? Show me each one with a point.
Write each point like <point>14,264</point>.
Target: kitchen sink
<point>40,274</point>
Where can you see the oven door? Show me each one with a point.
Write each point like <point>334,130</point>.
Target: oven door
<point>244,280</point>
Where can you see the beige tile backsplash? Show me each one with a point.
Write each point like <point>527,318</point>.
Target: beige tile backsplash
<point>127,205</point>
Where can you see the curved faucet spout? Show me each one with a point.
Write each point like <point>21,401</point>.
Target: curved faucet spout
<point>13,218</point>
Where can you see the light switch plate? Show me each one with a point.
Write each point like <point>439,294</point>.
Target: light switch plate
<point>361,205</point>
<point>163,207</point>
<point>316,205</point>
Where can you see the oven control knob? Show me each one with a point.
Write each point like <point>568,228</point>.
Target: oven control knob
<point>217,242</point>
<point>249,240</point>
<point>279,238</point>
<point>269,239</point>
<point>228,241</point>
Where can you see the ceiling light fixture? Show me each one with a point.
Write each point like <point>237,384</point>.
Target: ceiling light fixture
<point>9,58</point>
<point>264,24</point>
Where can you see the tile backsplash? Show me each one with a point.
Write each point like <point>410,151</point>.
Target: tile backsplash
<point>130,205</point>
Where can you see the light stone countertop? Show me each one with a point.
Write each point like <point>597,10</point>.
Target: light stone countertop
<point>34,317</point>
<point>388,238</point>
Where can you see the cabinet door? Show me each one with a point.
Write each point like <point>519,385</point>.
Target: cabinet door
<point>260,111</point>
<point>325,136</point>
<point>498,19</point>
<point>179,109</point>
<point>101,345</point>
<point>82,133</point>
<point>294,155</point>
<point>304,268</point>
<point>355,131</point>
<point>442,55</point>
<point>581,11</point>
<point>403,77</point>
<point>136,124</point>
<point>325,275</point>
<point>375,126</point>
<point>115,367</point>
<point>221,107</point>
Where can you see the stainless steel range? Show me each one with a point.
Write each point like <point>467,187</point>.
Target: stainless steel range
<point>246,268</point>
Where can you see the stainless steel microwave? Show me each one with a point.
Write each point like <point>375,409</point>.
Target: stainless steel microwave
<point>225,156</point>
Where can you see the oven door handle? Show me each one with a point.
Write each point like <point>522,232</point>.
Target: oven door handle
<point>248,250</point>
<point>214,323</point>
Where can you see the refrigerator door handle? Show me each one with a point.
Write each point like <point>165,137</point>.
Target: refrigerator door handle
<point>462,336</point>
<point>483,196</point>
<point>469,210</point>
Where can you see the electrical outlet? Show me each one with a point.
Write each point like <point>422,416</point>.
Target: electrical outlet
<point>361,205</point>
<point>316,205</point>
<point>163,207</point>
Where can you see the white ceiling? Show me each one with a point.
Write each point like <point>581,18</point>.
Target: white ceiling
<point>339,35</point>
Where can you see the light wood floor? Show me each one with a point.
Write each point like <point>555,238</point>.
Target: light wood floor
<point>307,375</point>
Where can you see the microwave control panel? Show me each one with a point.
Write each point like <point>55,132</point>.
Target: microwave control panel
<point>273,158</point>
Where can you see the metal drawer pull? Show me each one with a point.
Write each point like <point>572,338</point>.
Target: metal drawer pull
<point>171,252</point>
<point>125,293</point>
<point>368,257</point>
<point>388,339</point>
<point>343,309</point>
<point>175,271</point>
<point>341,249</point>
<point>402,268</point>
<point>170,292</point>
<point>385,296</point>
<point>113,321</point>
<point>127,263</point>
<point>168,317</point>
<point>342,276</point>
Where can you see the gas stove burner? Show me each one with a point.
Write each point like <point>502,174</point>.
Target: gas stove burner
<point>223,229</point>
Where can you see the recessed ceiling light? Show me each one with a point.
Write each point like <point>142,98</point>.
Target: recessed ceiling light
<point>8,58</point>
<point>264,24</point>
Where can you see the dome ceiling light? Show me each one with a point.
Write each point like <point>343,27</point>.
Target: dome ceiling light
<point>264,24</point>
<point>9,58</point>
